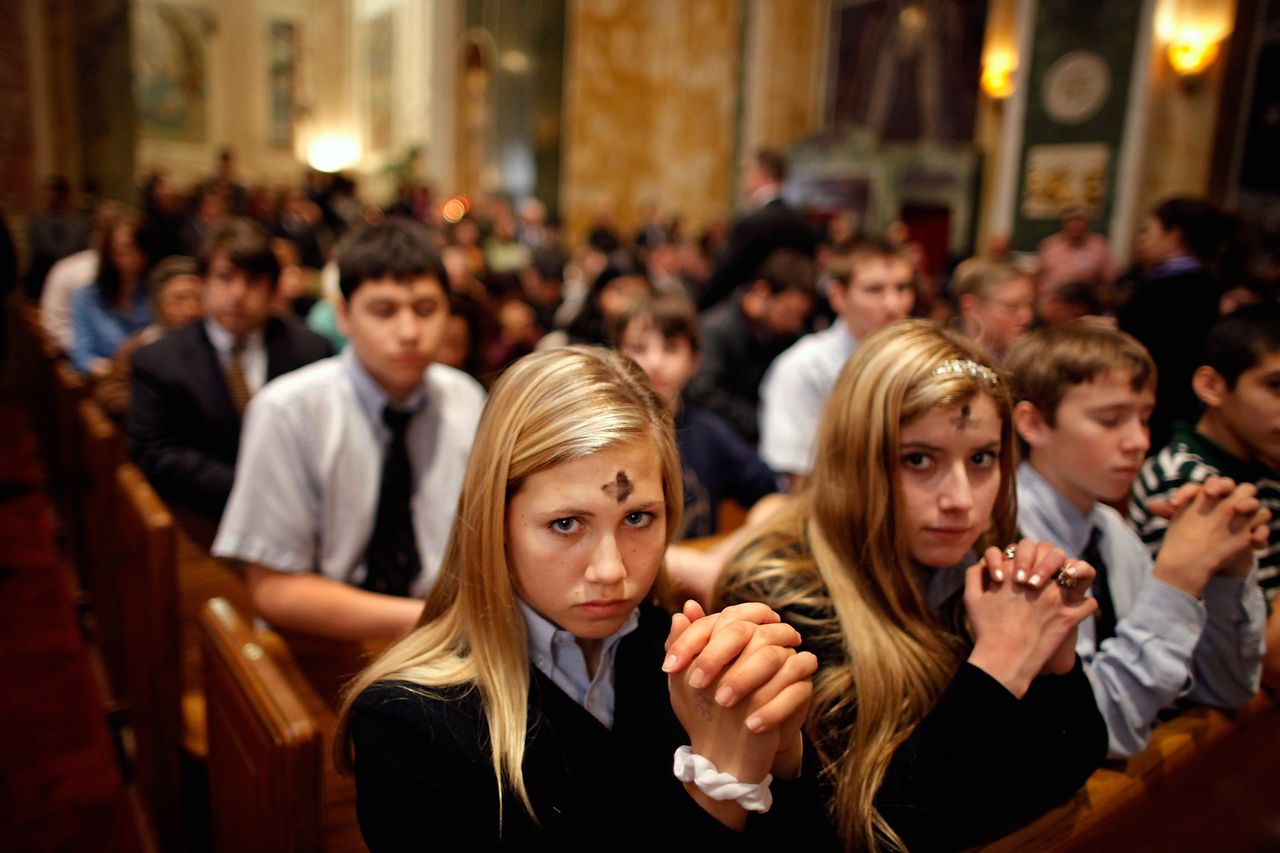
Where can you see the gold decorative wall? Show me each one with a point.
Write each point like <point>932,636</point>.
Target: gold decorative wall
<point>785,52</point>
<point>651,108</point>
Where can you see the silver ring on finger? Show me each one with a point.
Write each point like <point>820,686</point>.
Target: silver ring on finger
<point>1063,579</point>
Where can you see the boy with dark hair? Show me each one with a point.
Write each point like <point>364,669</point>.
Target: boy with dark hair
<point>188,389</point>
<point>348,483</point>
<point>661,335</point>
<point>871,286</point>
<point>1237,436</point>
<point>742,337</point>
<point>1188,624</point>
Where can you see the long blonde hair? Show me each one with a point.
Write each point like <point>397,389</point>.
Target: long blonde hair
<point>839,558</point>
<point>548,408</point>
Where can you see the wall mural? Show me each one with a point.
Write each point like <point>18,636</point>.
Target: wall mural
<point>171,71</point>
<point>906,69</point>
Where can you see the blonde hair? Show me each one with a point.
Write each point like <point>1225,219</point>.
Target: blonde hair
<point>548,408</point>
<point>839,560</point>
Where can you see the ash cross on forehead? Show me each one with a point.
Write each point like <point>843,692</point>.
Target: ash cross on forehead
<point>962,420</point>
<point>620,489</point>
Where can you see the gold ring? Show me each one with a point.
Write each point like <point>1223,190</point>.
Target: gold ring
<point>1065,580</point>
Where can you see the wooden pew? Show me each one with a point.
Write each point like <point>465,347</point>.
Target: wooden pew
<point>272,785</point>
<point>34,356</point>
<point>69,389</point>
<point>164,580</point>
<point>100,451</point>
<point>1208,780</point>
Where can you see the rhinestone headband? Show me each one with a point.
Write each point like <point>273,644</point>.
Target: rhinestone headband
<point>965,367</point>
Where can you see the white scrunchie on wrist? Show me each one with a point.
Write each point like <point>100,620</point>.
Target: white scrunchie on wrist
<point>691,767</point>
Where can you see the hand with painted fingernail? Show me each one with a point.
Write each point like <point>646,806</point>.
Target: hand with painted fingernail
<point>1022,630</point>
<point>743,694</point>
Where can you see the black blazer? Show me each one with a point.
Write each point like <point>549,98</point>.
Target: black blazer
<point>424,777</point>
<point>1172,316</point>
<point>183,428</point>
<point>752,239</point>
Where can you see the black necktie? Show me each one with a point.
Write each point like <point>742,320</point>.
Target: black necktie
<point>391,558</point>
<point>1105,626</point>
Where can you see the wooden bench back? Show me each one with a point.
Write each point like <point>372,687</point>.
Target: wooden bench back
<point>272,785</point>
<point>69,389</point>
<point>265,749</point>
<point>32,360</point>
<point>1200,767</point>
<point>100,453</point>
<point>153,654</point>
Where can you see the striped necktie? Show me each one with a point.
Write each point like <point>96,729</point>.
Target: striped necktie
<point>236,382</point>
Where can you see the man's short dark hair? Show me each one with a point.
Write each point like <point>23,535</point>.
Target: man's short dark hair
<point>397,248</point>
<point>247,246</point>
<point>773,163</point>
<point>1201,223</point>
<point>1242,339</point>
<point>672,316</point>
<point>788,270</point>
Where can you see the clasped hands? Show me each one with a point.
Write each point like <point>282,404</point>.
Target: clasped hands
<point>1024,605</point>
<point>739,688</point>
<point>1214,528</point>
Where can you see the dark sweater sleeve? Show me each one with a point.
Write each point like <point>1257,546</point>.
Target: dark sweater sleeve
<point>422,777</point>
<point>982,762</point>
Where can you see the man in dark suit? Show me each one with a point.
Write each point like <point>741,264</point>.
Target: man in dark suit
<point>189,388</point>
<point>772,224</point>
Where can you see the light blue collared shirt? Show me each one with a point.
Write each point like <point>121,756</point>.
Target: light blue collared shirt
<point>98,329</point>
<point>557,655</point>
<point>1167,644</point>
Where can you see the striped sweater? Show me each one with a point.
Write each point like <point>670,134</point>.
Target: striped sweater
<point>1191,458</point>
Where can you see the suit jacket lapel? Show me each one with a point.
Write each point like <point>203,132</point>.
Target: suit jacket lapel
<point>208,382</point>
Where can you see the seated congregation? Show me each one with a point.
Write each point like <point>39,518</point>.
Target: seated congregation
<point>808,568</point>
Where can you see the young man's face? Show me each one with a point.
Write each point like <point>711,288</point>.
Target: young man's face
<point>1251,410</point>
<point>1099,439</point>
<point>669,362</point>
<point>238,301</point>
<point>786,312</point>
<point>882,290</point>
<point>395,329</point>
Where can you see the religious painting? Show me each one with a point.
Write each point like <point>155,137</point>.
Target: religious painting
<point>282,82</point>
<point>379,67</point>
<point>907,70</point>
<point>1065,177</point>
<point>171,70</point>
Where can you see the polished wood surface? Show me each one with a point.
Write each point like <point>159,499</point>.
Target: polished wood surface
<point>100,453</point>
<point>1164,798</point>
<point>272,784</point>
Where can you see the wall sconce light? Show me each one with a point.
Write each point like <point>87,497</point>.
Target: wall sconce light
<point>1191,54</point>
<point>1000,50</point>
<point>997,75</point>
<point>333,153</point>
<point>1193,31</point>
